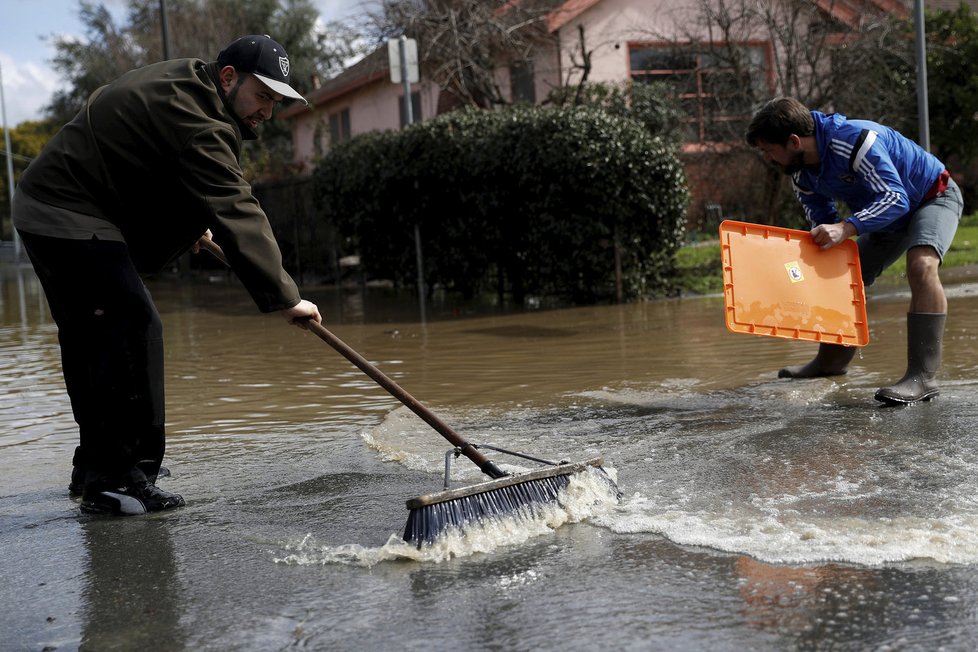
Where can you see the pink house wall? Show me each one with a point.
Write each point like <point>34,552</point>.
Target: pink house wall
<point>610,26</point>
<point>372,107</point>
<point>372,100</point>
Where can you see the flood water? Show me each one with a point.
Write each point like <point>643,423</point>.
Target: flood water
<point>758,514</point>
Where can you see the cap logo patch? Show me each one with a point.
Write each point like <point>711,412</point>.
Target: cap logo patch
<point>283,63</point>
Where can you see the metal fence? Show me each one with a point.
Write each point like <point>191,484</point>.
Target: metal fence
<point>309,243</point>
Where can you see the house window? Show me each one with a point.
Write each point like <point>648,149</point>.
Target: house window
<point>521,82</point>
<point>339,126</point>
<point>716,96</point>
<point>415,108</point>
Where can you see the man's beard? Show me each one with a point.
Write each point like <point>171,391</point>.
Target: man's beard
<point>795,165</point>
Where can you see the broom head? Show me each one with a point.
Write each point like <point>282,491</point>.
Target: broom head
<point>512,495</point>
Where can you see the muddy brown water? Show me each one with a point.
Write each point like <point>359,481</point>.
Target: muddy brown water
<point>758,513</point>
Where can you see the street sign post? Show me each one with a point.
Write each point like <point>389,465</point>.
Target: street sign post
<point>400,59</point>
<point>402,55</point>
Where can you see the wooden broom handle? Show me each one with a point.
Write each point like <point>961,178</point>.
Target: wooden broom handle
<point>386,382</point>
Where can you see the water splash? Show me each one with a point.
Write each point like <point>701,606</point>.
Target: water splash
<point>586,495</point>
<point>787,473</point>
<point>790,537</point>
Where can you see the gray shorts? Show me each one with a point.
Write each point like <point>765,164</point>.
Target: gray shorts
<point>933,224</point>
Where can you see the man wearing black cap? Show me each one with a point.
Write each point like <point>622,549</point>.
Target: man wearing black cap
<point>147,170</point>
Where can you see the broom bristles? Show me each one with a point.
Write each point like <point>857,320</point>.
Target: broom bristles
<point>514,496</point>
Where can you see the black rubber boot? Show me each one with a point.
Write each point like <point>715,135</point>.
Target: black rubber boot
<point>831,360</point>
<point>925,330</point>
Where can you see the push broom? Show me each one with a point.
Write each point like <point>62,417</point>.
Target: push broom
<point>521,495</point>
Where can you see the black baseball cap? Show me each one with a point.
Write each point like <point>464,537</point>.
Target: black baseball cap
<point>264,58</point>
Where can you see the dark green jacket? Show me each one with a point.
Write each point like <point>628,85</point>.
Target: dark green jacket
<point>156,153</point>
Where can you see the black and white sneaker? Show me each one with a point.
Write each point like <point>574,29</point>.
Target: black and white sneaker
<point>140,498</point>
<point>114,502</point>
<point>154,498</point>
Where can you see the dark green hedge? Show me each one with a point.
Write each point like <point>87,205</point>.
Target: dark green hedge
<point>526,201</point>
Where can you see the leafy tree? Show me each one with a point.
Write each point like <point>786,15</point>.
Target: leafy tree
<point>952,70</point>
<point>26,141</point>
<point>85,66</point>
<point>887,89</point>
<point>198,28</point>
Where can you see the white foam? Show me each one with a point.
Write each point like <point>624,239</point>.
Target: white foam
<point>587,494</point>
<point>858,509</point>
<point>787,536</point>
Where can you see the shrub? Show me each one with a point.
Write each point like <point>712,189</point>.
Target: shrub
<point>525,201</point>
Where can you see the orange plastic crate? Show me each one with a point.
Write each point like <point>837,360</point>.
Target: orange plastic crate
<point>778,283</point>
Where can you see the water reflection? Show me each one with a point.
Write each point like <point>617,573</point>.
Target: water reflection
<point>809,603</point>
<point>760,513</point>
<point>21,297</point>
<point>132,591</point>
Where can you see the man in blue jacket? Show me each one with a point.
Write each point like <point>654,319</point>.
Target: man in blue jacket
<point>902,199</point>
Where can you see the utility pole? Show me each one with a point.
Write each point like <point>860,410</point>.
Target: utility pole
<point>406,76</point>
<point>166,31</point>
<point>403,61</point>
<point>10,167</point>
<point>923,111</point>
<point>408,119</point>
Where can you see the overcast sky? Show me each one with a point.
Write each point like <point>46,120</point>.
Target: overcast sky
<point>25,52</point>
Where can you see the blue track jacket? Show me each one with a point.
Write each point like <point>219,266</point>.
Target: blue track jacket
<point>880,175</point>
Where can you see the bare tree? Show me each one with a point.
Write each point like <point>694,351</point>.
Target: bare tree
<point>463,42</point>
<point>580,65</point>
<point>880,61</point>
<point>746,51</point>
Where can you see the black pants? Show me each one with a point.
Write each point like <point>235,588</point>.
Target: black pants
<point>111,341</point>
